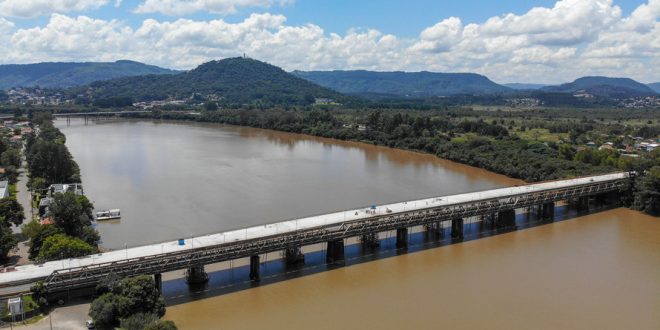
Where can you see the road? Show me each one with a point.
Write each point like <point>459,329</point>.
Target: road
<point>68,317</point>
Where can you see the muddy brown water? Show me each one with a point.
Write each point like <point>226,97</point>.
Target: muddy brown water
<point>171,180</point>
<point>600,271</point>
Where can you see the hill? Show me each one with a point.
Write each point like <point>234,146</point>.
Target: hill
<point>69,74</point>
<point>229,81</point>
<point>655,87</point>
<point>604,87</point>
<point>403,84</point>
<point>524,86</point>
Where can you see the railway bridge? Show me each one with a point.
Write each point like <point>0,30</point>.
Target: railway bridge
<point>333,229</point>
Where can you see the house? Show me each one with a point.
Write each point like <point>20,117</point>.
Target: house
<point>606,147</point>
<point>4,189</point>
<point>47,221</point>
<point>591,144</point>
<point>75,188</point>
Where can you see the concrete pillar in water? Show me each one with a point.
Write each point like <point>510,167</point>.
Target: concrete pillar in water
<point>196,274</point>
<point>548,211</point>
<point>293,255</point>
<point>402,238</point>
<point>335,251</point>
<point>254,268</point>
<point>506,219</point>
<point>370,240</point>
<point>158,279</point>
<point>457,228</point>
<point>583,203</point>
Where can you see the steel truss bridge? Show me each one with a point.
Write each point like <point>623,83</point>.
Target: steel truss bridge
<point>473,205</point>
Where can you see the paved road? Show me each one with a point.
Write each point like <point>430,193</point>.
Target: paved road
<point>69,317</point>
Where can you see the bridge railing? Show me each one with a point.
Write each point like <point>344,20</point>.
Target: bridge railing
<point>91,275</point>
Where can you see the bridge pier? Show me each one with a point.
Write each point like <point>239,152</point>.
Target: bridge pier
<point>370,240</point>
<point>293,255</point>
<point>506,219</point>
<point>254,268</point>
<point>196,275</point>
<point>457,228</point>
<point>335,251</point>
<point>158,280</point>
<point>548,211</point>
<point>583,203</point>
<point>402,238</point>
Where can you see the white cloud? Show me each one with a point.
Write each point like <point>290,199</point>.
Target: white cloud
<point>184,7</point>
<point>543,45</point>
<point>35,8</point>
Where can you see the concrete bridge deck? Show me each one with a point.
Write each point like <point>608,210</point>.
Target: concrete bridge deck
<point>251,241</point>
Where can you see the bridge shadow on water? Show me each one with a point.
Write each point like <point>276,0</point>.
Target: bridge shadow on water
<point>234,279</point>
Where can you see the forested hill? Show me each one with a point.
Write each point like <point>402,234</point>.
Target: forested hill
<point>655,87</point>
<point>604,87</point>
<point>403,84</point>
<point>64,75</point>
<point>229,81</point>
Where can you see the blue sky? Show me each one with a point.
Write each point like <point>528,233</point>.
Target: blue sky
<point>542,41</point>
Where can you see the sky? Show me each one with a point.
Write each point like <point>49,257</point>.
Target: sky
<point>531,41</point>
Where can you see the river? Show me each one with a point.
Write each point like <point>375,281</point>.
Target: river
<point>174,180</point>
<point>599,271</point>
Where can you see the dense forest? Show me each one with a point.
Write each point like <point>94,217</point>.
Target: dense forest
<point>69,74</point>
<point>226,82</point>
<point>403,84</point>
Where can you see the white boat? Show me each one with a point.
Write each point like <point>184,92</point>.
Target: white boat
<point>108,214</point>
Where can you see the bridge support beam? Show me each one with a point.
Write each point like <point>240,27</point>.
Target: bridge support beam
<point>548,211</point>
<point>158,279</point>
<point>293,255</point>
<point>506,219</point>
<point>457,228</point>
<point>196,275</point>
<point>370,240</point>
<point>254,268</point>
<point>402,238</point>
<point>335,251</point>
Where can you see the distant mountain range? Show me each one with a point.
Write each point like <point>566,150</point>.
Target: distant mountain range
<point>69,74</point>
<point>655,87</point>
<point>230,81</point>
<point>604,87</point>
<point>403,84</point>
<point>524,86</point>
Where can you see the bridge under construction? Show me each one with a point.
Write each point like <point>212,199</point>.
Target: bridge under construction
<point>498,205</point>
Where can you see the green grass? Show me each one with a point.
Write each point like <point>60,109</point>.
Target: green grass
<point>540,134</point>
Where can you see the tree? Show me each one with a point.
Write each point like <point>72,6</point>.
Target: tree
<point>11,211</point>
<point>60,246</point>
<point>38,234</point>
<point>51,161</point>
<point>7,241</point>
<point>647,197</point>
<point>71,212</point>
<point>131,296</point>
<point>210,106</point>
<point>103,311</point>
<point>37,184</point>
<point>566,151</point>
<point>11,157</point>
<point>138,321</point>
<point>161,325</point>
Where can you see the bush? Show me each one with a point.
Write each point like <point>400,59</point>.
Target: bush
<point>61,246</point>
